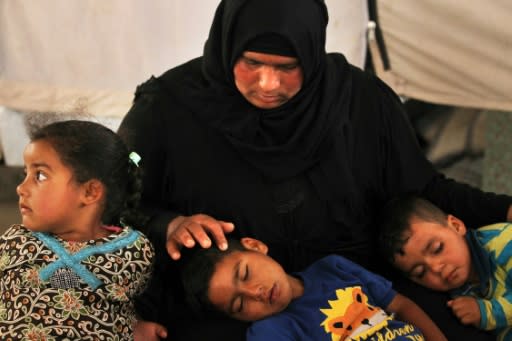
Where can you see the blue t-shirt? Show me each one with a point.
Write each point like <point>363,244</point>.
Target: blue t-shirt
<point>341,300</point>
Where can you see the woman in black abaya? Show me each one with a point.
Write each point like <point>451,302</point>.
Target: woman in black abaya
<point>307,175</point>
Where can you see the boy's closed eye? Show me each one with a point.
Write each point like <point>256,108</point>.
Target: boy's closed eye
<point>418,272</point>
<point>434,248</point>
<point>242,275</point>
<point>437,248</point>
<point>237,305</point>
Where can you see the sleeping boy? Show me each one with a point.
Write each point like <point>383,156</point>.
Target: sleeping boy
<point>436,250</point>
<point>333,299</point>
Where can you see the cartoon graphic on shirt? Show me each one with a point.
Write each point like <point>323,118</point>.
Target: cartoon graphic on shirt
<point>351,316</point>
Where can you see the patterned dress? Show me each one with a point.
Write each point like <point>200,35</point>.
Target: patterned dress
<point>51,289</point>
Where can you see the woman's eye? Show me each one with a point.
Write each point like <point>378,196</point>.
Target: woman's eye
<point>251,62</point>
<point>438,248</point>
<point>288,67</point>
<point>40,176</point>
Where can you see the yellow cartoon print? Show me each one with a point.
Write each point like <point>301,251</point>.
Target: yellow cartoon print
<point>350,316</point>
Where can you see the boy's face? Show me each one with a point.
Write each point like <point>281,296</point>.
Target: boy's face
<point>436,256</point>
<point>249,285</point>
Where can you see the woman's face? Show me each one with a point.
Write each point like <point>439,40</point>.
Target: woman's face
<point>267,81</point>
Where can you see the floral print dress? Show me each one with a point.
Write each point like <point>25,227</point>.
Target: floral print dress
<point>51,289</point>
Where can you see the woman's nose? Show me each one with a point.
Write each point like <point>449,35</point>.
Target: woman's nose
<point>269,78</point>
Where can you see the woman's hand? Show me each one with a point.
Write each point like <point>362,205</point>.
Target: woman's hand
<point>187,230</point>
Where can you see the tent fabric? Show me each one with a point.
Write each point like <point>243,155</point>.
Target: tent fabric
<point>57,55</point>
<point>447,51</point>
<point>29,97</point>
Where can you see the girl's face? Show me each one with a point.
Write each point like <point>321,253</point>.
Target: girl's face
<point>50,200</point>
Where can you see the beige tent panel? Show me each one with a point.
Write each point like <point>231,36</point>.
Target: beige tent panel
<point>31,97</point>
<point>447,51</point>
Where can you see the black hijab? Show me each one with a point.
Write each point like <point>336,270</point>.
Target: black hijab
<point>292,138</point>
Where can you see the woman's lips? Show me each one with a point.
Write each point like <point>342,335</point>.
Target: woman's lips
<point>269,99</point>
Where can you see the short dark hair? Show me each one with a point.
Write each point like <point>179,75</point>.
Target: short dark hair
<point>395,221</point>
<point>197,270</point>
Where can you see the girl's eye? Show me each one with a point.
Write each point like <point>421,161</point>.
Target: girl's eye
<point>40,176</point>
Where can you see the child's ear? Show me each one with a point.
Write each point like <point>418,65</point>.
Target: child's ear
<point>92,191</point>
<point>457,224</point>
<point>254,245</point>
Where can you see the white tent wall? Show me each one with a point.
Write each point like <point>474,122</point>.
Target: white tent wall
<point>55,52</point>
<point>447,51</point>
<point>57,55</point>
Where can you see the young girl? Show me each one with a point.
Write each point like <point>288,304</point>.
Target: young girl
<point>71,269</point>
